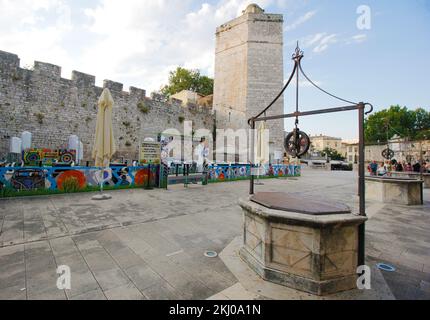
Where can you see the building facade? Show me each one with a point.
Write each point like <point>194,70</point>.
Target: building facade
<point>187,96</point>
<point>321,142</point>
<point>350,151</point>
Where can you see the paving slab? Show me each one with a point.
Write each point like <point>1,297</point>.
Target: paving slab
<point>251,284</point>
<point>17,292</point>
<point>90,295</point>
<point>126,292</point>
<point>112,278</point>
<point>143,276</point>
<point>151,244</point>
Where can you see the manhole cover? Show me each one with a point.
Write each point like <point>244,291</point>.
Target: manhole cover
<point>385,267</point>
<point>211,254</point>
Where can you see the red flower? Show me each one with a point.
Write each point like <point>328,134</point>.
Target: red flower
<point>71,174</point>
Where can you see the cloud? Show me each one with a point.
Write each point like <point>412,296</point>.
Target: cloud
<point>359,38</point>
<point>320,42</point>
<point>301,20</point>
<point>147,39</point>
<point>325,42</point>
<point>131,41</point>
<point>35,29</point>
<point>317,42</point>
<point>312,39</point>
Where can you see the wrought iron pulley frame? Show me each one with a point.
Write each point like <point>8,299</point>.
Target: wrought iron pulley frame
<point>360,107</point>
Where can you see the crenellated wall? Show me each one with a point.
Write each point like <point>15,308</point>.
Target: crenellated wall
<point>52,108</point>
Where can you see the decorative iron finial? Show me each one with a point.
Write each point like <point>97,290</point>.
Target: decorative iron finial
<point>298,54</point>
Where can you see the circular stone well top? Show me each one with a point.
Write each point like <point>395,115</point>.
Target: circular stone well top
<point>294,203</point>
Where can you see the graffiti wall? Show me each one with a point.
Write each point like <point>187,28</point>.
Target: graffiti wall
<point>75,179</point>
<point>219,173</point>
<point>33,157</point>
<point>72,179</point>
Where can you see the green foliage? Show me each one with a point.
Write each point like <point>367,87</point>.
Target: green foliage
<point>5,191</point>
<point>181,119</point>
<point>40,117</point>
<point>401,121</point>
<point>16,77</point>
<point>184,79</point>
<point>143,107</point>
<point>332,154</point>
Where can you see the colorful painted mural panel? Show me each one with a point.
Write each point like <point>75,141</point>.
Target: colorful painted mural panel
<point>33,157</point>
<point>74,179</point>
<point>218,173</point>
<point>27,179</point>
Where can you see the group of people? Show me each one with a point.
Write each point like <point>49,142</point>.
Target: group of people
<point>384,169</point>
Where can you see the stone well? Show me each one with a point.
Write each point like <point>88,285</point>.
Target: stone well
<point>413,175</point>
<point>301,243</point>
<point>395,190</point>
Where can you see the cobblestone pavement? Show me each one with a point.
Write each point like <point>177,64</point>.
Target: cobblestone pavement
<point>149,244</point>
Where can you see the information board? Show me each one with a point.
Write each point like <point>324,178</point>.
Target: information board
<point>150,153</point>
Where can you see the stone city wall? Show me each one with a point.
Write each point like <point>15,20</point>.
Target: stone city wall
<point>52,108</point>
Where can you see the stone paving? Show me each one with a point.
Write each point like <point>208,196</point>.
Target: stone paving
<point>149,244</point>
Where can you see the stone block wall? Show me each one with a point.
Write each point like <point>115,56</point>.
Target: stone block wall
<point>249,72</point>
<point>52,108</point>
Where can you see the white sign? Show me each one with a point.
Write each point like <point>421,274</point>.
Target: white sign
<point>150,153</point>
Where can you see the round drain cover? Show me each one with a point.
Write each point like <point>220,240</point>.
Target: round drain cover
<point>385,267</point>
<point>211,254</point>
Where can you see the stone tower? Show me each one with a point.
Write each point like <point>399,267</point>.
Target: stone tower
<point>249,71</point>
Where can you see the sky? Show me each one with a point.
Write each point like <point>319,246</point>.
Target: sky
<point>374,51</point>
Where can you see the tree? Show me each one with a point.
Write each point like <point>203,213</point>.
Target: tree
<point>332,154</point>
<point>401,121</point>
<point>422,124</point>
<point>185,79</point>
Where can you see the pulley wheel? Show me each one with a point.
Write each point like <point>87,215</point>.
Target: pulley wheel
<point>297,143</point>
<point>388,154</point>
